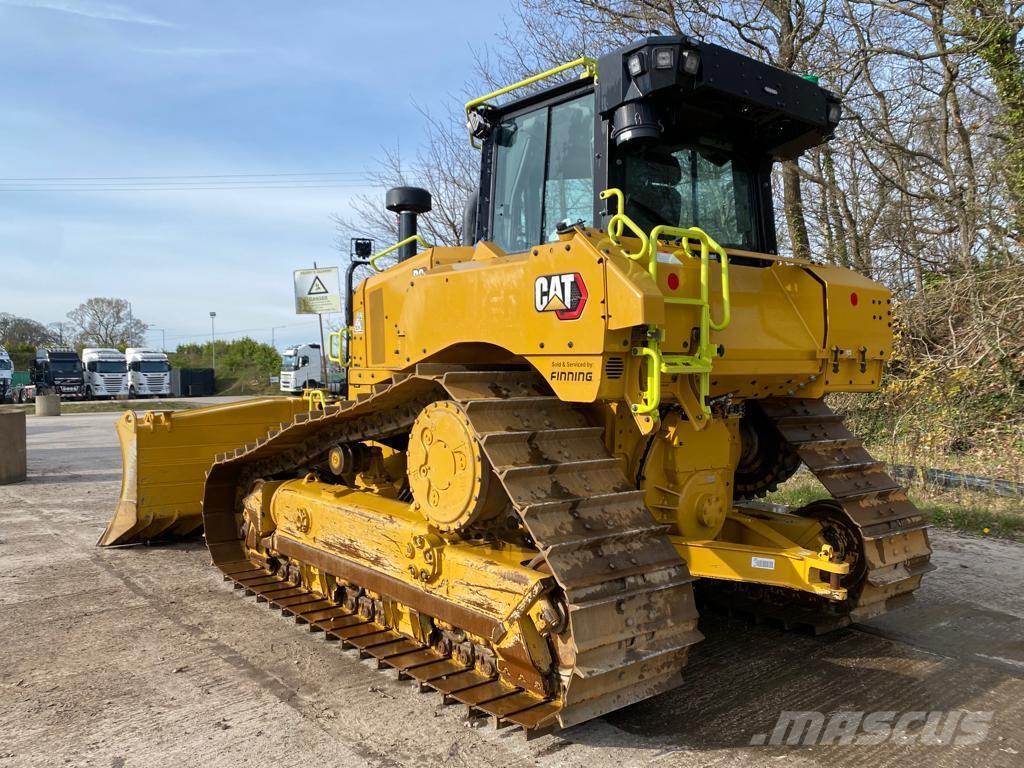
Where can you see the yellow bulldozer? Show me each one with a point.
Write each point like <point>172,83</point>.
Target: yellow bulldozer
<point>554,432</point>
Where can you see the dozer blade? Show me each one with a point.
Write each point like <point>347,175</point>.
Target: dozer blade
<point>165,456</point>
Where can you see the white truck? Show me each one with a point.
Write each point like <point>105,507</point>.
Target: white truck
<point>149,373</point>
<point>6,373</point>
<point>301,368</point>
<point>106,373</point>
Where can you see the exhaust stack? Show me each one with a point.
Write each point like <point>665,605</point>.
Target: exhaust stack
<point>408,203</point>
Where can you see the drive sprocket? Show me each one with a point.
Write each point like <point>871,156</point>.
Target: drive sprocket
<point>766,459</point>
<point>451,479</point>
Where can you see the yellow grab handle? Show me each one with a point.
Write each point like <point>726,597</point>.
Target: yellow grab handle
<point>395,247</point>
<point>337,342</point>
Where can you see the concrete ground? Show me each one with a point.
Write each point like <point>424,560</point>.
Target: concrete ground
<point>142,656</point>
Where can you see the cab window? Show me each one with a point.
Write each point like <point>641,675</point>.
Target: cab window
<point>569,183</point>
<point>544,173</point>
<point>691,186</point>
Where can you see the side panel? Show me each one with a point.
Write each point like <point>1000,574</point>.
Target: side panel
<point>547,306</point>
<point>575,309</point>
<point>859,330</point>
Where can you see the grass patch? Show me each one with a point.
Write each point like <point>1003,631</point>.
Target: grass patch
<point>960,510</point>
<point>984,522</point>
<point>799,490</point>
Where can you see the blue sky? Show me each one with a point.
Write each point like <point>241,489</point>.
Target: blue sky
<point>117,89</point>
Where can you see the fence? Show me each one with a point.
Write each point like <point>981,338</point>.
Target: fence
<point>945,478</point>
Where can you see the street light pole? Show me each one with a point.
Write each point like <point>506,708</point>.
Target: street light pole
<point>163,338</point>
<point>213,343</point>
<point>273,338</point>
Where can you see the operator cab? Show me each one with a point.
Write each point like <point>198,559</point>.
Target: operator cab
<point>688,131</point>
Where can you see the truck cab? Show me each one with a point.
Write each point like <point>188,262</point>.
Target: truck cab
<point>149,373</point>
<point>106,373</point>
<point>300,368</point>
<point>58,371</point>
<point>6,372</point>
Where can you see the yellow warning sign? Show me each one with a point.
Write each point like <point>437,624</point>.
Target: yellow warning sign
<point>317,291</point>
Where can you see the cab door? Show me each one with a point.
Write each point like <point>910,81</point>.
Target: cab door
<point>542,171</point>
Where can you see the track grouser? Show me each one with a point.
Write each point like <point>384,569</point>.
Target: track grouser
<point>556,432</point>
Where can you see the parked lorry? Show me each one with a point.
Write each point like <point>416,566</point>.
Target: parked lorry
<point>301,367</point>
<point>149,373</point>
<point>106,372</point>
<point>52,372</point>
<point>6,372</point>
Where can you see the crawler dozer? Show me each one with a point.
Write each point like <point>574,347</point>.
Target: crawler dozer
<point>554,432</point>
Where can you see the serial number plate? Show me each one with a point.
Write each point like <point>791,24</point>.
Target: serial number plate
<point>764,563</point>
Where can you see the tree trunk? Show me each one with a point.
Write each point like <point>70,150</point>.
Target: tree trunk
<point>792,194</point>
<point>988,22</point>
<point>842,255</point>
<point>793,201</point>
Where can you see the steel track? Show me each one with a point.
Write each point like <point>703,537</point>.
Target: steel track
<point>628,595</point>
<point>892,531</point>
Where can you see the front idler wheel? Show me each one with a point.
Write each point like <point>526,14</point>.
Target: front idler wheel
<point>843,535</point>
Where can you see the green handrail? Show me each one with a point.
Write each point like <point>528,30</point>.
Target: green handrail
<point>395,247</point>
<point>588,64</point>
<point>658,363</point>
<point>314,398</point>
<point>707,244</point>
<point>620,221</point>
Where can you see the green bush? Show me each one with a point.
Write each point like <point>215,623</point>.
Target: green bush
<point>951,397</point>
<point>244,366</point>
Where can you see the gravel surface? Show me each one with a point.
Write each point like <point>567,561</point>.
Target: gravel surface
<point>143,656</point>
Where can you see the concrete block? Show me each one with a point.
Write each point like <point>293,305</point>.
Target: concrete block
<point>47,405</point>
<point>13,453</point>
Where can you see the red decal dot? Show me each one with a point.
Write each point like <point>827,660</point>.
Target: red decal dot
<point>673,280</point>
<point>853,299</point>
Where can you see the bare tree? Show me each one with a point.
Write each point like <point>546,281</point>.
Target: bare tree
<point>920,177</point>
<point>447,167</point>
<point>107,322</point>
<point>62,333</point>
<point>994,28</point>
<point>17,331</point>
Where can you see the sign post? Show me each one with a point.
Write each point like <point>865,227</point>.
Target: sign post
<point>318,291</point>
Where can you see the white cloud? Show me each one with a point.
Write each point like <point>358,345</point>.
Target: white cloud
<point>126,88</point>
<point>198,52</point>
<point>175,255</point>
<point>91,10</point>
